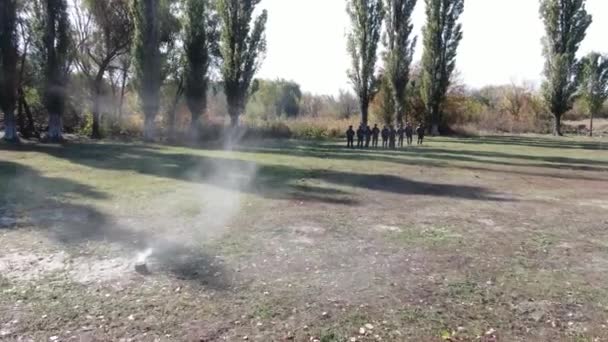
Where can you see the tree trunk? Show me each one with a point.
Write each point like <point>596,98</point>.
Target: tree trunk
<point>435,120</point>
<point>122,93</point>
<point>10,126</point>
<point>96,131</point>
<point>364,112</point>
<point>591,126</point>
<point>149,129</point>
<point>557,125</point>
<point>54,133</point>
<point>31,128</point>
<point>21,118</point>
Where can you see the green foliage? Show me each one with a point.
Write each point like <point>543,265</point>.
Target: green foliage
<point>383,106</point>
<point>274,99</point>
<point>594,85</point>
<point>56,52</point>
<point>566,23</point>
<point>147,59</point>
<point>442,34</point>
<point>366,17</point>
<point>241,49</point>
<point>200,45</point>
<point>8,55</point>
<point>400,50</point>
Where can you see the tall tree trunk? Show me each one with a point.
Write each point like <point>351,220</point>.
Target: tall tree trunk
<point>10,126</point>
<point>557,125</point>
<point>399,113</point>
<point>171,114</point>
<point>435,120</point>
<point>96,130</point>
<point>122,91</point>
<point>591,126</point>
<point>54,133</point>
<point>96,111</point>
<point>149,128</point>
<point>21,118</point>
<point>364,112</point>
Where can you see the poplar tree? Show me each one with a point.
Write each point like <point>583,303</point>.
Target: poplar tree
<point>8,67</point>
<point>594,85</point>
<point>566,23</point>
<point>200,45</point>
<point>242,47</point>
<point>147,59</point>
<point>56,50</point>
<point>400,44</point>
<point>442,34</point>
<point>366,17</point>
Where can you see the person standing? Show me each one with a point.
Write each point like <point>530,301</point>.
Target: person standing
<point>385,133</point>
<point>375,134</point>
<point>409,133</point>
<point>368,136</point>
<point>420,132</point>
<point>350,137</point>
<point>401,134</point>
<point>360,136</point>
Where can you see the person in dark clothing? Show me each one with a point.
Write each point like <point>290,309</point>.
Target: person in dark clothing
<point>409,133</point>
<point>385,133</point>
<point>360,136</point>
<point>350,137</point>
<point>375,134</point>
<point>392,137</point>
<point>368,136</point>
<point>420,132</point>
<point>401,134</point>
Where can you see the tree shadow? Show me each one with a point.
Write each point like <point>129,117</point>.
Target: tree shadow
<point>433,156</point>
<point>46,203</point>
<point>527,141</point>
<point>268,180</point>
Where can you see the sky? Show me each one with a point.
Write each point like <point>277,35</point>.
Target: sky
<point>501,44</point>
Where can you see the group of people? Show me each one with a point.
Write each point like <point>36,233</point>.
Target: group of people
<point>391,137</point>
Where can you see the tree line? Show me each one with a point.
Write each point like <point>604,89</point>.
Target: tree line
<point>566,77</point>
<point>45,42</point>
<point>205,47</point>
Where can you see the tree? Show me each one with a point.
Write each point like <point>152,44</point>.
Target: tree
<point>366,17</point>
<point>200,45</point>
<point>566,22</point>
<point>147,59</point>
<point>347,104</point>
<point>8,67</point>
<point>383,105</point>
<point>104,29</point>
<point>242,48</point>
<point>594,85</point>
<point>400,50</point>
<point>442,34</point>
<point>56,51</point>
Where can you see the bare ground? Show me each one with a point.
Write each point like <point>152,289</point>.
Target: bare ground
<point>487,239</point>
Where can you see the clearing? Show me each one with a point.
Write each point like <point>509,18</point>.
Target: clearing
<point>494,238</point>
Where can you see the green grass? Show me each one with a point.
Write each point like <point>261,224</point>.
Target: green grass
<point>262,240</point>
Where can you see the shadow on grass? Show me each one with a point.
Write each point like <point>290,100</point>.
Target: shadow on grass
<point>270,181</point>
<point>47,203</point>
<point>429,156</point>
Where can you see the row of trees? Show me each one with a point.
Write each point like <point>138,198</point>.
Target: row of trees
<point>107,41</point>
<point>566,77</point>
<point>442,34</point>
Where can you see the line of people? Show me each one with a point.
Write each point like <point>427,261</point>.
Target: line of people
<point>391,137</point>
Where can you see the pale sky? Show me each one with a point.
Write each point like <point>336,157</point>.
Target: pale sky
<point>501,44</point>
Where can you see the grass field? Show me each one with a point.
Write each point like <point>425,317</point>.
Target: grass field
<point>486,239</point>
